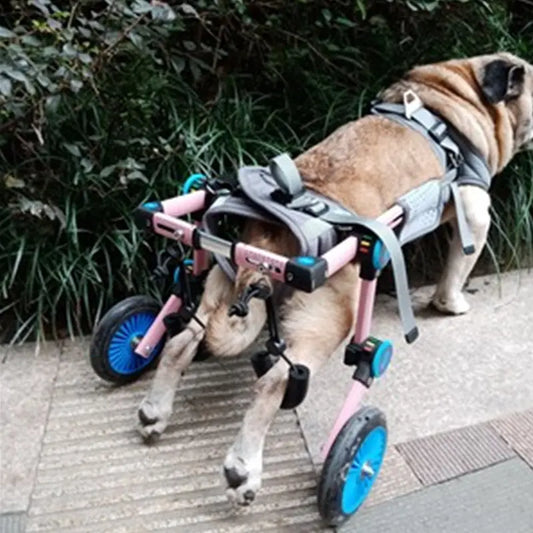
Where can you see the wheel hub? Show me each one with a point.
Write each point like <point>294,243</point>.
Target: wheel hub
<point>367,471</point>
<point>135,341</point>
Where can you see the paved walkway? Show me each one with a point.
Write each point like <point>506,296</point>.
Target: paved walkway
<point>459,405</point>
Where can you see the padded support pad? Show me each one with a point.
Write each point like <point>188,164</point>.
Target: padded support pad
<point>298,383</point>
<point>296,387</point>
<point>262,362</point>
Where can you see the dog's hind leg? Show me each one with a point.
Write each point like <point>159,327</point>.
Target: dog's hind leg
<point>156,408</point>
<point>314,326</point>
<point>448,297</point>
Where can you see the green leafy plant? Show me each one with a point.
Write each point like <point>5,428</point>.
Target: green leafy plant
<point>104,104</point>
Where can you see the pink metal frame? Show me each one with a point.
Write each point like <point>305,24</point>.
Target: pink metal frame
<point>168,224</point>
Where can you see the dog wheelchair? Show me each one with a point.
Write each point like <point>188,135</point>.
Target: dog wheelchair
<point>131,335</point>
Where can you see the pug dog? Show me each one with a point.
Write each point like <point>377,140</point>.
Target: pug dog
<point>365,165</point>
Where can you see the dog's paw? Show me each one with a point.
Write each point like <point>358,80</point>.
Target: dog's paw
<point>241,496</point>
<point>243,482</point>
<point>153,420</point>
<point>456,305</point>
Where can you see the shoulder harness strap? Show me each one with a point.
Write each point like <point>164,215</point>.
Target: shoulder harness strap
<point>462,163</point>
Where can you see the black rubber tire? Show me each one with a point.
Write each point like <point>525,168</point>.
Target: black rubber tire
<point>105,330</point>
<point>339,459</point>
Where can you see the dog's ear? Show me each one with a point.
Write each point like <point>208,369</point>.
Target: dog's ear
<point>502,81</point>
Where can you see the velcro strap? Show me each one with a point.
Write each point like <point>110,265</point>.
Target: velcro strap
<point>390,241</point>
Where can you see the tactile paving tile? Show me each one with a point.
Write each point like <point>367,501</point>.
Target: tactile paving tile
<point>492,500</point>
<point>517,431</point>
<point>395,479</point>
<point>447,455</point>
<point>95,474</point>
<point>12,522</point>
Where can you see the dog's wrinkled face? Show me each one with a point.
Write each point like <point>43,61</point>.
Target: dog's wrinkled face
<point>508,80</point>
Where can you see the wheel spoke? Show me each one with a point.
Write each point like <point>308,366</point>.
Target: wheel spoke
<point>121,354</point>
<point>355,467</point>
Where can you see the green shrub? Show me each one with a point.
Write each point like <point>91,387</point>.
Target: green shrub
<point>106,104</point>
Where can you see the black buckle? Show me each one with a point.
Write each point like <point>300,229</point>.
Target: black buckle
<point>455,159</point>
<point>167,261</point>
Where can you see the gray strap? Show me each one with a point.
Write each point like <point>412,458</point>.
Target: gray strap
<point>471,178</point>
<point>474,171</point>
<point>448,178</point>
<point>439,130</point>
<point>467,242</point>
<point>230,205</point>
<point>426,118</point>
<point>392,244</point>
<point>286,174</point>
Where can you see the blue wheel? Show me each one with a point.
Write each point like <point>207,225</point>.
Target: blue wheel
<point>352,465</point>
<point>112,348</point>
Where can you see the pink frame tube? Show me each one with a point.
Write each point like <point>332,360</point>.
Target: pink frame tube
<point>351,405</point>
<point>183,205</point>
<point>157,329</point>
<point>200,258</point>
<point>256,259</point>
<point>391,217</point>
<point>365,309</point>
<point>173,228</point>
<point>201,262</point>
<point>340,255</point>
<point>247,256</point>
<point>357,391</point>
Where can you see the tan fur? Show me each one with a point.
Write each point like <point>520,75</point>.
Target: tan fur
<point>365,165</point>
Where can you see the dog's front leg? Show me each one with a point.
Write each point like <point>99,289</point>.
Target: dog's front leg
<point>448,297</point>
<point>156,408</point>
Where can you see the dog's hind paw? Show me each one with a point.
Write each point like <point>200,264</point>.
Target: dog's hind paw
<point>242,483</point>
<point>152,421</point>
<point>456,305</point>
<point>241,496</point>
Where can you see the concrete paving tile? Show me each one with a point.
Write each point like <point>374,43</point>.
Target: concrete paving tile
<point>492,500</point>
<point>458,373</point>
<point>26,386</point>
<point>517,431</point>
<point>440,457</point>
